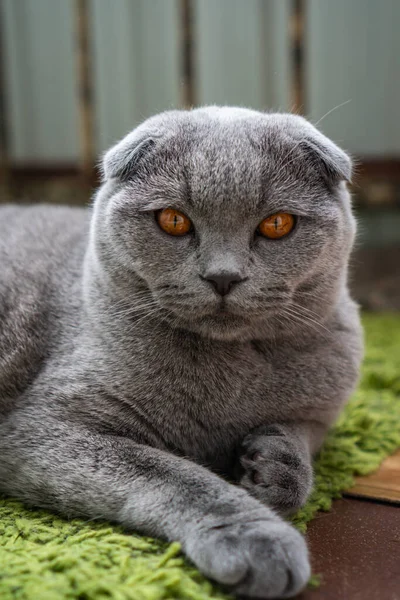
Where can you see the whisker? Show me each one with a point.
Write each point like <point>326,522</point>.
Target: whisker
<point>144,317</point>
<point>331,111</point>
<point>177,296</point>
<point>291,317</point>
<point>131,309</point>
<point>129,315</point>
<point>297,309</point>
<point>287,164</point>
<point>305,319</point>
<point>306,309</point>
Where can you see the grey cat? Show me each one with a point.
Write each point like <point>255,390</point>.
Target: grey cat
<point>169,360</point>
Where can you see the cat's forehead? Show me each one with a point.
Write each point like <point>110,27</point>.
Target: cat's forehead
<point>228,161</point>
<point>204,179</point>
<point>224,170</point>
<point>229,170</point>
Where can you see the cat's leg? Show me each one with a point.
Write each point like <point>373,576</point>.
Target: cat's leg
<point>274,463</point>
<point>229,535</point>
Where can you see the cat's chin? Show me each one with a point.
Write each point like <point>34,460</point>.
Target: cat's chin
<point>223,324</point>
<point>222,327</point>
<point>223,332</point>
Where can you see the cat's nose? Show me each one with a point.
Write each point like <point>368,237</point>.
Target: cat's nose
<point>223,282</point>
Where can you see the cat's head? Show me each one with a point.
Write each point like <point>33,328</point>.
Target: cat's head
<point>233,223</point>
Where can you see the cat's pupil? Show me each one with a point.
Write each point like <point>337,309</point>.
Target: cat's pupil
<point>175,221</point>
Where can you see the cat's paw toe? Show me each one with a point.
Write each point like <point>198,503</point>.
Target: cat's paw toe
<point>272,470</point>
<point>264,559</point>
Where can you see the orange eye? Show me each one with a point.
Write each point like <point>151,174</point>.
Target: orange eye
<point>173,222</point>
<point>276,226</point>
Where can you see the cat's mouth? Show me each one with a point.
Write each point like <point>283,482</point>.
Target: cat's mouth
<point>221,321</point>
<point>225,314</point>
<point>222,309</point>
<point>225,311</point>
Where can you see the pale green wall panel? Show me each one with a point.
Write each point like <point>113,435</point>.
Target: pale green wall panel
<point>353,53</point>
<point>135,72</point>
<point>229,65</point>
<point>242,52</point>
<point>275,19</point>
<point>40,80</point>
<point>242,57</point>
<point>116,48</point>
<point>136,63</point>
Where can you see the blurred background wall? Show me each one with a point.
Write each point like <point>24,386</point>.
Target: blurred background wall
<point>243,54</point>
<point>76,75</point>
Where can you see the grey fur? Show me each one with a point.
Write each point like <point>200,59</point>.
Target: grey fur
<point>124,392</point>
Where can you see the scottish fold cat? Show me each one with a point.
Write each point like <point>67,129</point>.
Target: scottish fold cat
<point>172,358</point>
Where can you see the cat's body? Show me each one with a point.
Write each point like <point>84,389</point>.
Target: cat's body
<point>111,352</point>
<point>212,392</point>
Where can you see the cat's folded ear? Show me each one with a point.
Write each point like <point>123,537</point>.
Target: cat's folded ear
<point>335,163</point>
<point>320,152</point>
<point>123,159</point>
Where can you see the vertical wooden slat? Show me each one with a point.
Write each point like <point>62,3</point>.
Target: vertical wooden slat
<point>85,90</point>
<point>4,145</point>
<point>297,39</point>
<point>187,54</point>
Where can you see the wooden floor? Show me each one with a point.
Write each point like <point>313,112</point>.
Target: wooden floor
<point>356,550</point>
<point>356,546</point>
<point>382,485</point>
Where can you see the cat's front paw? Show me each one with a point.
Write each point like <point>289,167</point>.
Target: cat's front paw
<point>273,469</point>
<point>260,558</point>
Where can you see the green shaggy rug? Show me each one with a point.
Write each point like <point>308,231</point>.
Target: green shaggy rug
<point>43,557</point>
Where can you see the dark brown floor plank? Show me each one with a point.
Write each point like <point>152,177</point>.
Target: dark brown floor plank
<point>356,549</point>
